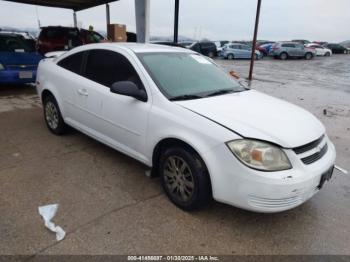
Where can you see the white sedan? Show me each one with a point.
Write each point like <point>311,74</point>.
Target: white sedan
<point>203,133</point>
<point>320,50</point>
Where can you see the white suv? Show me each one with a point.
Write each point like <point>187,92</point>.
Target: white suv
<point>179,113</point>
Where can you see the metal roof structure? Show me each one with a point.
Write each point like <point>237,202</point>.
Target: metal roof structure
<point>76,5</point>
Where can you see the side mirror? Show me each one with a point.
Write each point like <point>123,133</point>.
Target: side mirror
<point>128,88</point>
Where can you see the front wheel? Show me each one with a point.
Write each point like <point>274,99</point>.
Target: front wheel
<point>308,56</point>
<point>53,117</point>
<point>283,56</point>
<point>230,57</point>
<point>185,178</point>
<point>328,54</point>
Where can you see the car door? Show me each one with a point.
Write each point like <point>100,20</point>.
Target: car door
<point>69,77</point>
<point>122,120</point>
<point>320,50</point>
<point>235,49</point>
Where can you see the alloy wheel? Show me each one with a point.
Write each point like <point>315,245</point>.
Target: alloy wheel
<point>51,115</point>
<point>178,178</point>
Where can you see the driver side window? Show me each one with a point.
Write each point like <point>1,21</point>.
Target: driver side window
<point>107,67</point>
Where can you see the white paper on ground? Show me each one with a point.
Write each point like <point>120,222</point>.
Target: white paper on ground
<point>48,212</point>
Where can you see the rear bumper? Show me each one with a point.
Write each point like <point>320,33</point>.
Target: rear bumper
<point>13,77</point>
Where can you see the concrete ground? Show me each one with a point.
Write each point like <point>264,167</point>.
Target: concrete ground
<point>109,206</point>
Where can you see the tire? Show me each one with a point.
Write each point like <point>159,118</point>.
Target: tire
<point>211,54</point>
<point>230,57</point>
<point>308,56</point>
<point>190,188</point>
<point>53,117</point>
<point>328,54</point>
<point>283,56</point>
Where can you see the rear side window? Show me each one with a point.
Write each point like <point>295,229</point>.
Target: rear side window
<point>107,67</point>
<point>73,63</point>
<point>288,45</point>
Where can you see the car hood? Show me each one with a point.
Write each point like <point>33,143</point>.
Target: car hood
<point>252,114</point>
<point>18,58</point>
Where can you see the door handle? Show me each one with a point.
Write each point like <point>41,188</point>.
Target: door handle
<point>83,92</point>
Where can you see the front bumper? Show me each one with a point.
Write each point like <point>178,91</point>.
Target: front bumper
<point>238,185</point>
<point>13,77</point>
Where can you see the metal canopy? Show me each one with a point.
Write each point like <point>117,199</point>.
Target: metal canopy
<point>76,5</point>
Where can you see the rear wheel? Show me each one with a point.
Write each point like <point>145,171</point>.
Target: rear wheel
<point>328,54</point>
<point>230,57</point>
<point>184,178</point>
<point>53,117</point>
<point>308,56</point>
<point>283,56</point>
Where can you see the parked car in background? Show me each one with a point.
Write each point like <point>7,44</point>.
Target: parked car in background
<point>262,50</point>
<point>220,45</point>
<point>238,51</point>
<point>285,50</point>
<point>18,59</point>
<point>27,37</point>
<point>337,48</point>
<point>266,48</point>
<point>301,41</point>
<point>199,130</point>
<point>206,48</point>
<point>322,43</point>
<point>168,43</point>
<point>186,44</point>
<point>57,38</point>
<point>320,50</point>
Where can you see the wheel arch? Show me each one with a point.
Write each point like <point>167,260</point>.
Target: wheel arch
<point>46,92</point>
<point>172,141</point>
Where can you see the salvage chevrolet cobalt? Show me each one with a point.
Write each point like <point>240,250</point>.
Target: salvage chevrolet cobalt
<point>204,134</point>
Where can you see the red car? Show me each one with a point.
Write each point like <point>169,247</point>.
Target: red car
<point>57,38</point>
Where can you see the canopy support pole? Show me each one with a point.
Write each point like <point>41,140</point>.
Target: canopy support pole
<point>176,21</point>
<point>75,19</point>
<point>108,16</point>
<point>142,15</point>
<point>254,41</point>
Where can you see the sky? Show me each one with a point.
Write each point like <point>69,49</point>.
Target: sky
<point>214,19</point>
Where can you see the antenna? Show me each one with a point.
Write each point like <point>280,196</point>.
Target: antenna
<point>37,16</point>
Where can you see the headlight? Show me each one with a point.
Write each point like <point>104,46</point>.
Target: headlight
<point>259,155</point>
<point>2,67</point>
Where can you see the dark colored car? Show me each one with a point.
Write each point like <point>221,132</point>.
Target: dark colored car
<point>58,38</point>
<point>18,59</point>
<point>206,48</point>
<point>337,48</point>
<point>168,43</point>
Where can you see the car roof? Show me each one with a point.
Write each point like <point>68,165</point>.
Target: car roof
<point>136,47</point>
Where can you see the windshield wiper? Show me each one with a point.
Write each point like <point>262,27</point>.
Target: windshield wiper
<point>185,97</point>
<point>220,92</point>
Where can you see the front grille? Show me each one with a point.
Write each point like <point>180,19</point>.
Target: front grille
<point>314,157</point>
<point>317,148</point>
<point>309,146</point>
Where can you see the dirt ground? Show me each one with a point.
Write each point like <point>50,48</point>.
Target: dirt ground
<point>109,206</point>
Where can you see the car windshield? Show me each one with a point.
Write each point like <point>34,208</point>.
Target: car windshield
<point>187,76</point>
<point>9,43</point>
